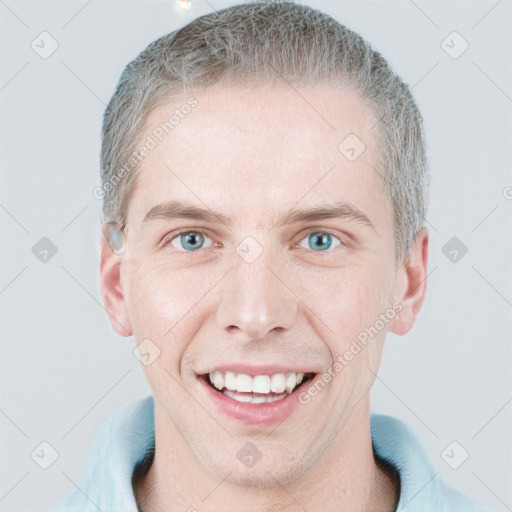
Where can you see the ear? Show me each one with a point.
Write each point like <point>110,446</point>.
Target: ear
<point>112,292</point>
<point>411,284</point>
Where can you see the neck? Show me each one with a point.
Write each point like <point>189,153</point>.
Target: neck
<point>345,477</point>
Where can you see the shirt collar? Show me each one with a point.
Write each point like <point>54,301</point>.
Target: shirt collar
<point>127,439</point>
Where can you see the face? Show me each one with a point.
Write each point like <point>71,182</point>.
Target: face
<point>258,249</point>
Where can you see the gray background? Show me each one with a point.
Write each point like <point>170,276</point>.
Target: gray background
<point>63,369</point>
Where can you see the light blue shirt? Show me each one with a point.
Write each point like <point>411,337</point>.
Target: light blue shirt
<point>128,436</point>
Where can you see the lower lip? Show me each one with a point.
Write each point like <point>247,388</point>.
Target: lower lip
<point>266,413</point>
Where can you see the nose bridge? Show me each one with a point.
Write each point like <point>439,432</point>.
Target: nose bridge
<point>253,298</point>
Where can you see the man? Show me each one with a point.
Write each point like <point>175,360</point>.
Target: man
<point>266,186</point>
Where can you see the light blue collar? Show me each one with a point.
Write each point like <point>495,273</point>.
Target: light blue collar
<point>128,436</point>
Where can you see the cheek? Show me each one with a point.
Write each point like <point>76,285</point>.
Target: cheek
<point>162,294</point>
<point>358,298</point>
<point>353,301</point>
<point>169,305</point>
<point>151,301</point>
<point>165,305</point>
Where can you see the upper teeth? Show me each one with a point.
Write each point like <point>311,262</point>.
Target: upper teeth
<point>277,382</point>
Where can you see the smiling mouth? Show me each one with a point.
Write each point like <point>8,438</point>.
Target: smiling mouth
<point>256,389</point>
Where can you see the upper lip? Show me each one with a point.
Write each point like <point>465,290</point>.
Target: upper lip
<point>259,369</point>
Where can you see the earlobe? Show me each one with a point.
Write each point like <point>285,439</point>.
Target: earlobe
<point>411,284</point>
<point>112,292</point>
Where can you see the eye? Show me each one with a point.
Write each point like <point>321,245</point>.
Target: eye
<point>192,240</point>
<point>189,241</point>
<point>320,240</point>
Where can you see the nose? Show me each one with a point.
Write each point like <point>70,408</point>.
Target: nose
<point>255,299</point>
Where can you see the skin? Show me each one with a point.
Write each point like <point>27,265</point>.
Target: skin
<point>253,155</point>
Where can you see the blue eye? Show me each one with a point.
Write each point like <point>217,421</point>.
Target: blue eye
<point>320,240</point>
<point>190,240</point>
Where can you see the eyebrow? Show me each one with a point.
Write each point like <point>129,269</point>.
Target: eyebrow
<point>176,209</point>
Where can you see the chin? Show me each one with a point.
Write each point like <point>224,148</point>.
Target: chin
<point>261,475</point>
<point>260,479</point>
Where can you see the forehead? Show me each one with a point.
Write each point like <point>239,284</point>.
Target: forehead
<point>253,151</point>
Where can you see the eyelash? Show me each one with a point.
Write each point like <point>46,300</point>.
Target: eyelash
<point>198,252</point>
